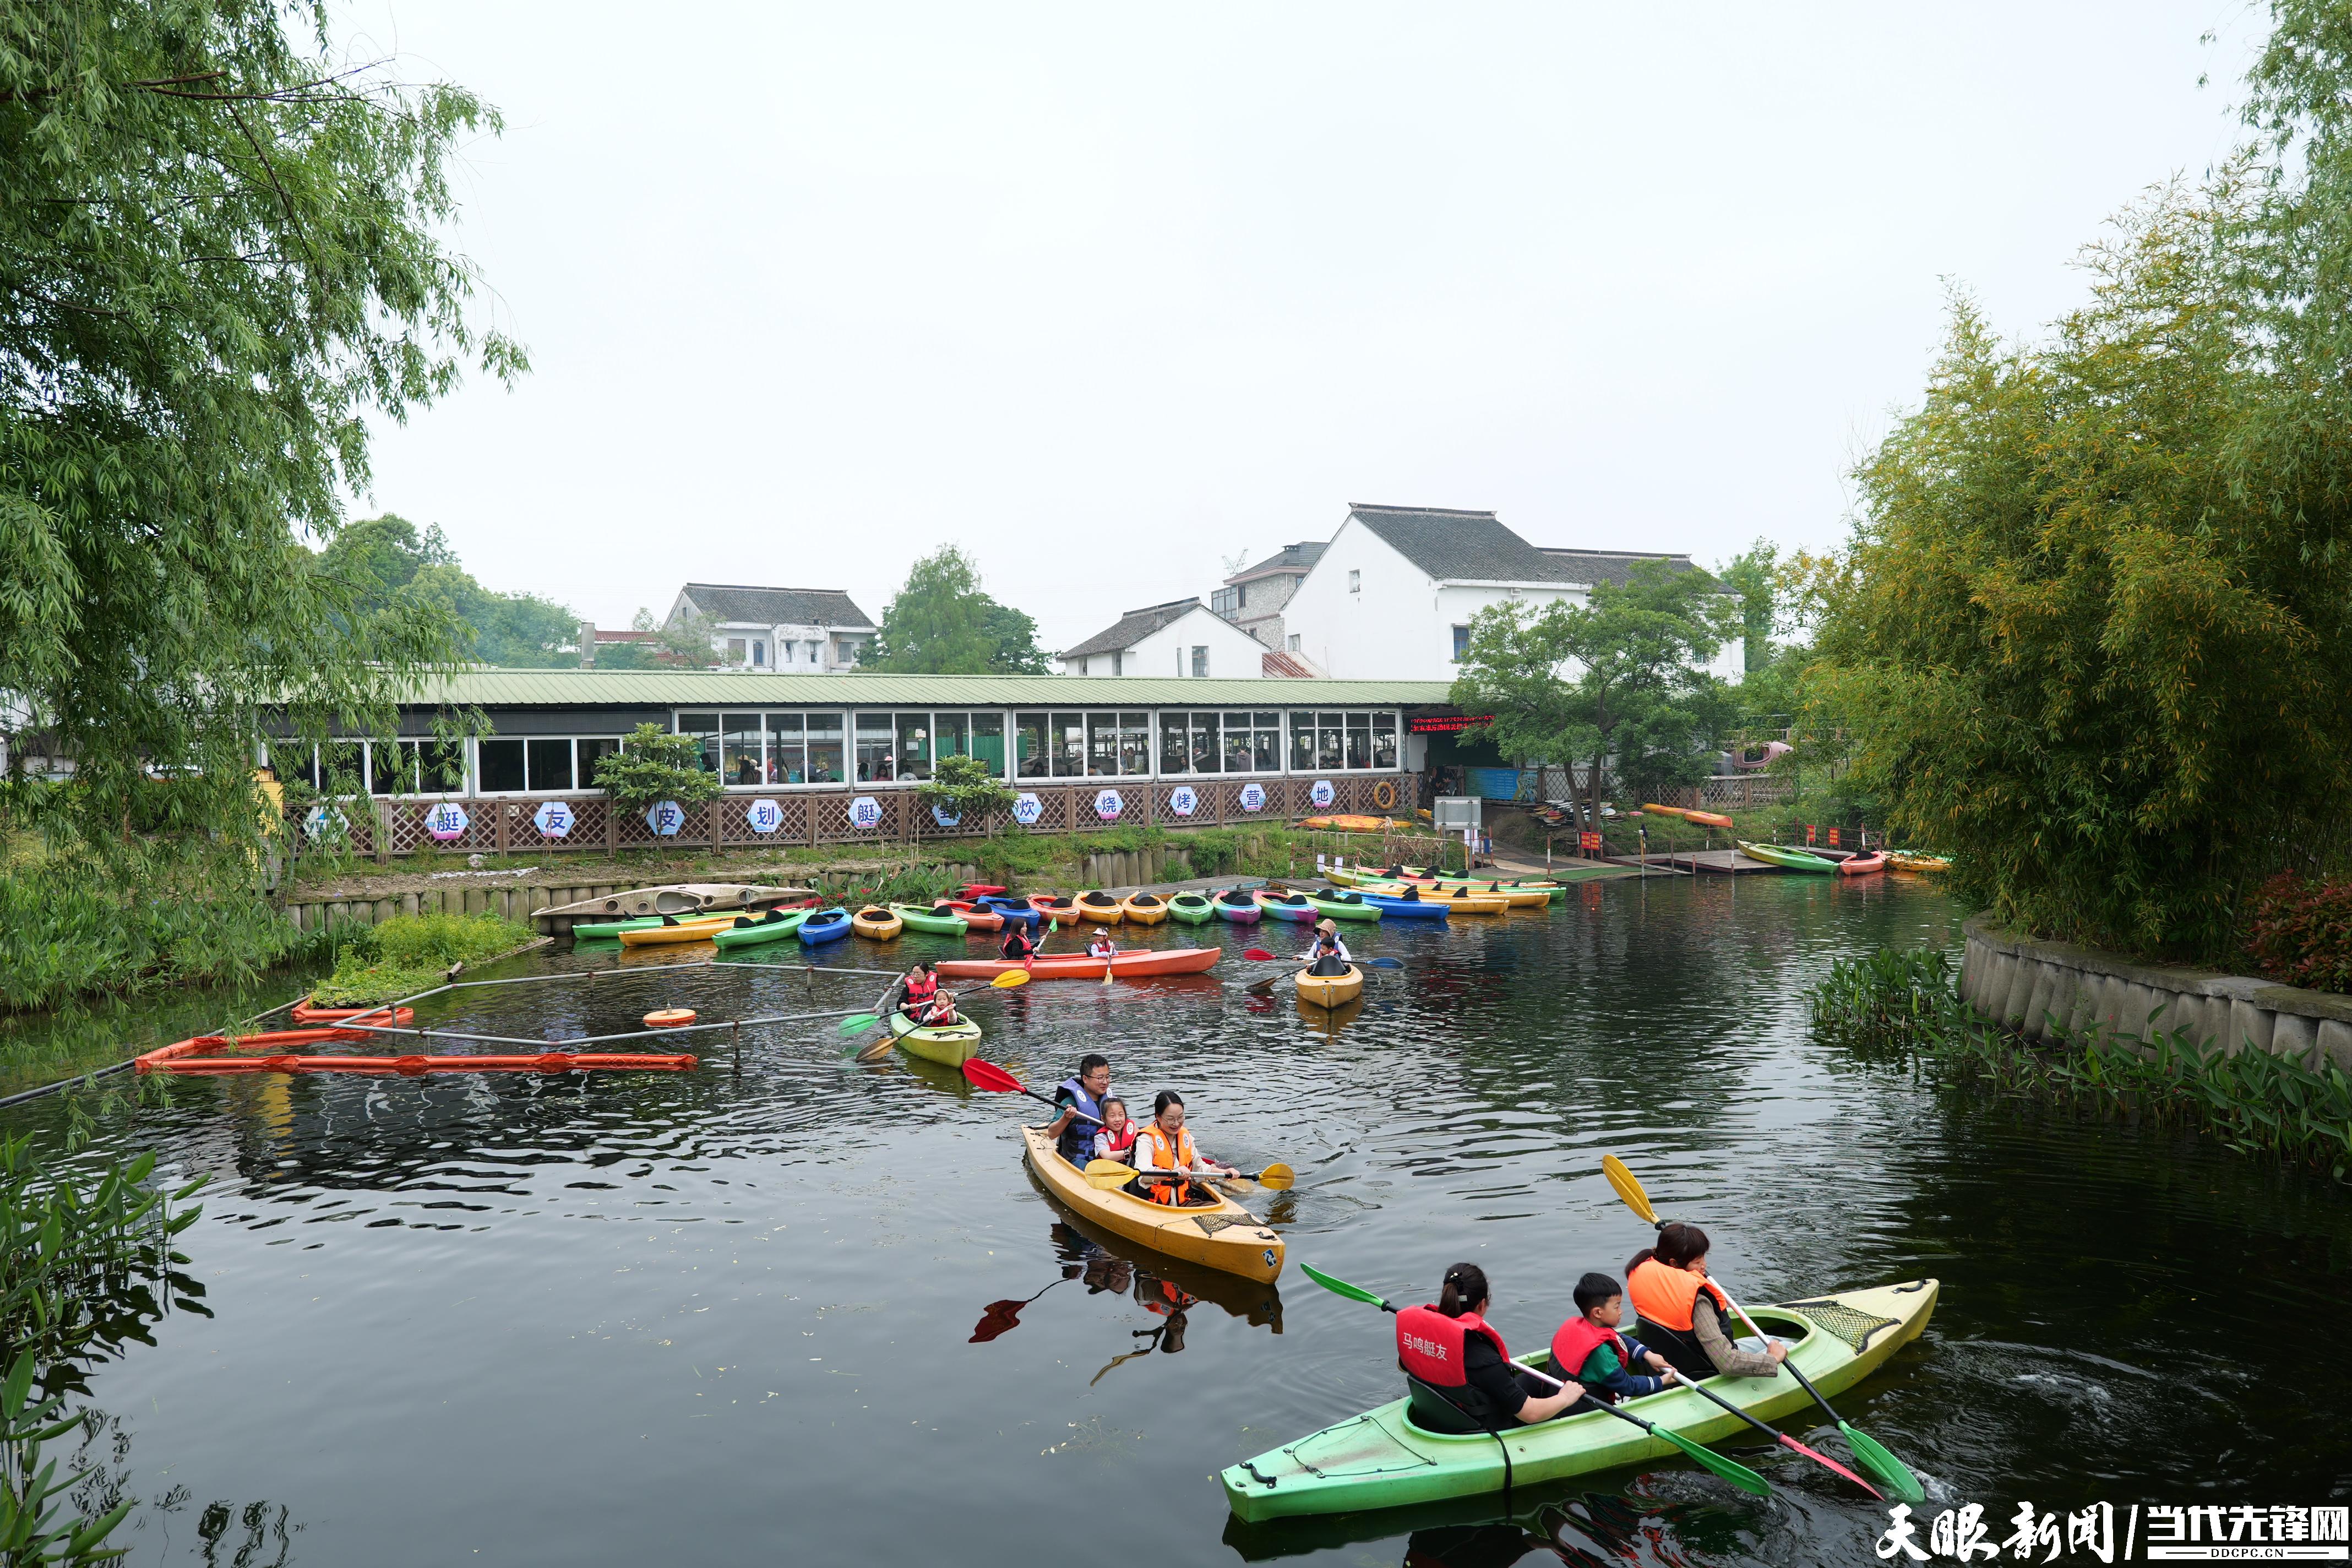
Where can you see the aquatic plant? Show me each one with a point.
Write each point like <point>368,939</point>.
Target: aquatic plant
<point>409,954</point>
<point>1905,1005</point>
<point>66,934</point>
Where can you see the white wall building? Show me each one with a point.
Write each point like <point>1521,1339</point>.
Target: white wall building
<point>793,631</point>
<point>1252,597</point>
<point>1391,597</point>
<point>1180,638</point>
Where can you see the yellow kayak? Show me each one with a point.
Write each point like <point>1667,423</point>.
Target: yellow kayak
<point>685,931</point>
<point>876,922</point>
<point>1331,990</point>
<point>1225,1235</point>
<point>1143,909</point>
<point>1460,902</point>
<point>1906,860</point>
<point>1520,898</point>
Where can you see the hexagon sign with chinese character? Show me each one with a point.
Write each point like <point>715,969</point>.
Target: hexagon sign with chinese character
<point>1026,809</point>
<point>1183,801</point>
<point>325,823</point>
<point>553,819</point>
<point>666,817</point>
<point>764,816</point>
<point>1321,794</point>
<point>1107,805</point>
<point>445,820</point>
<point>946,818</point>
<point>865,815</point>
<point>1252,797</point>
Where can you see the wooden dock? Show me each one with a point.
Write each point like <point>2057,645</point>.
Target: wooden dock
<point>1725,862</point>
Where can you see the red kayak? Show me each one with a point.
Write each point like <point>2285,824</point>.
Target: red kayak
<point>979,890</point>
<point>979,917</point>
<point>1125,966</point>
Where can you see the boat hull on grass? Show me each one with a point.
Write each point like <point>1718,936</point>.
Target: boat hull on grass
<point>1380,1459</point>
<point>1225,1236</point>
<point>950,1044</point>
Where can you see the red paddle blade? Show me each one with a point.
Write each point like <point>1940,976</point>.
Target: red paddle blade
<point>988,1074</point>
<point>1817,1456</point>
<point>997,1318</point>
<point>1259,953</point>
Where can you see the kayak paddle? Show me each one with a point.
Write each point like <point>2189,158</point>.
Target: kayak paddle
<point>1261,956</point>
<point>1874,1455</point>
<point>1782,1437</point>
<point>1731,1471</point>
<point>1106,1175</point>
<point>879,1049</point>
<point>996,1081</point>
<point>1009,979</point>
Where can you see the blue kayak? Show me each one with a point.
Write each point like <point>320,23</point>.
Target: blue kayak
<point>825,925</point>
<point>1012,910</point>
<point>1406,909</point>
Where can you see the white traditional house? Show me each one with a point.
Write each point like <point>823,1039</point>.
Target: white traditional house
<point>1391,596</point>
<point>1252,597</point>
<point>793,631</point>
<point>1179,638</point>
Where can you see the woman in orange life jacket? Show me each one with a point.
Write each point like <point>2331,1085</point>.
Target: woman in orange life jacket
<point>1165,1145</point>
<point>1685,1316</point>
<point>1458,1370</point>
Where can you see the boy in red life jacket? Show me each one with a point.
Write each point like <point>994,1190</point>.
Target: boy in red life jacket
<point>1588,1349</point>
<point>1458,1370</point>
<point>1115,1140</point>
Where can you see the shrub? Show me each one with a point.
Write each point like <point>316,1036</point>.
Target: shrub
<point>2299,931</point>
<point>409,954</point>
<point>654,764</point>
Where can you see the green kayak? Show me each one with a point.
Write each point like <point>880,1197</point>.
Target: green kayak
<point>950,1044</point>
<point>763,930</point>
<point>610,931</point>
<point>920,917</point>
<point>1191,909</point>
<point>1380,1459</point>
<point>1788,859</point>
<point>1344,906</point>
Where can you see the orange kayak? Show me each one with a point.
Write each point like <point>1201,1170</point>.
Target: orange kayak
<point>1125,966</point>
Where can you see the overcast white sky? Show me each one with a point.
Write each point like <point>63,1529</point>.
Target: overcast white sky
<point>1105,294</point>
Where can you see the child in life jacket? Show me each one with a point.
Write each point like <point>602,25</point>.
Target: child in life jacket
<point>1102,946</point>
<point>1588,1349</point>
<point>939,1011</point>
<point>1115,1140</point>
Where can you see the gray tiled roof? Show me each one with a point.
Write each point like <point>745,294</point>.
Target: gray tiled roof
<point>1461,546</point>
<point>1132,627</point>
<point>1293,558</point>
<point>778,607</point>
<point>1613,566</point>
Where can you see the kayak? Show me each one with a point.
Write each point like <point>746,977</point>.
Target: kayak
<point>1703,818</point>
<point>760,931</point>
<point>1285,906</point>
<point>950,1044</point>
<point>939,922</point>
<point>1344,906</point>
<point>685,931</point>
<point>1191,909</point>
<point>876,922</point>
<point>982,890</point>
<point>1789,859</point>
<point>1054,907</point>
<point>825,925</point>
<point>1331,990</point>
<point>1382,1459</point>
<point>979,917</point>
<point>1223,1235</point>
<point>1908,860</point>
<point>1237,907</point>
<point>1862,865</point>
<point>1409,909</point>
<point>1016,911</point>
<point>1514,897</point>
<point>1096,905</point>
<point>610,931</point>
<point>1459,902</point>
<point>1143,909</point>
<point>1350,823</point>
<point>1077,966</point>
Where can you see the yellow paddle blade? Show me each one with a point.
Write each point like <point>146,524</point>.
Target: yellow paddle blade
<point>879,1049</point>
<point>1009,979</point>
<point>1108,1175</point>
<point>1278,1176</point>
<point>1627,1187</point>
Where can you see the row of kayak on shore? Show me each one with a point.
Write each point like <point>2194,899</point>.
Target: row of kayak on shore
<point>1789,858</point>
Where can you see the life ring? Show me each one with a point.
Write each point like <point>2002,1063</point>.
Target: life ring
<point>668,1017</point>
<point>1384,793</point>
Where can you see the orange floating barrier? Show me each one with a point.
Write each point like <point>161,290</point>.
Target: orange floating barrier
<point>201,1055</point>
<point>669,1017</point>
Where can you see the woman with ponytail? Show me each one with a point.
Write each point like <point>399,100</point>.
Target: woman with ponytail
<point>1684,1316</point>
<point>1457,1368</point>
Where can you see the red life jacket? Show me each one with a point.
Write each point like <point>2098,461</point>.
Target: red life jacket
<point>1430,1345</point>
<point>1118,1143</point>
<point>921,987</point>
<point>1577,1338</point>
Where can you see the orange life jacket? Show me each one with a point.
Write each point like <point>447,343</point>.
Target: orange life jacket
<point>1160,1154</point>
<point>1664,1295</point>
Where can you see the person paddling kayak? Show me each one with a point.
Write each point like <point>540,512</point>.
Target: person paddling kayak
<point>1019,946</point>
<point>1329,955</point>
<point>1459,1371</point>
<point>1165,1145</point>
<point>1102,946</point>
<point>1588,1349</point>
<point>1081,1100</point>
<point>1685,1316</point>
<point>918,990</point>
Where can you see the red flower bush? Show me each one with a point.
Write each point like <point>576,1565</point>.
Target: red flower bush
<point>2300,932</point>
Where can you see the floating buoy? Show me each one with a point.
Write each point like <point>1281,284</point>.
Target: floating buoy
<point>668,1017</point>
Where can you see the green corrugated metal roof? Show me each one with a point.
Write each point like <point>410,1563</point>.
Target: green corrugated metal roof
<point>698,688</point>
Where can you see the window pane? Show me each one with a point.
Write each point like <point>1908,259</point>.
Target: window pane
<point>1205,757</point>
<point>551,764</point>
<point>784,756</point>
<point>824,748</point>
<point>1175,743</point>
<point>1102,745</point>
<point>1033,742</point>
<point>1134,743</point>
<point>590,751</point>
<point>952,736</point>
<point>500,761</point>
<point>988,741</point>
<point>1069,745</point>
<point>1329,741</point>
<point>914,745</point>
<point>1268,746</point>
<point>873,742</point>
<point>392,767</point>
<point>738,755</point>
<point>442,764</point>
<point>706,725</point>
<point>1302,742</point>
<point>1359,739</point>
<point>1384,739</point>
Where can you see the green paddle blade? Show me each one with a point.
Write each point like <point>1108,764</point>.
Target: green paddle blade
<point>1731,1471</point>
<point>1883,1464</point>
<point>857,1024</point>
<point>1341,1288</point>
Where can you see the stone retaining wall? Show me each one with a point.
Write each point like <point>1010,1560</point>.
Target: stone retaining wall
<point>2035,986</point>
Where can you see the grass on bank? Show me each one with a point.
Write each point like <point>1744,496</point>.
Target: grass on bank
<point>1905,1006</point>
<point>409,954</point>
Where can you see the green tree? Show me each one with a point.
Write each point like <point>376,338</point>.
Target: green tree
<point>655,764</point>
<point>941,623</point>
<point>968,790</point>
<point>1623,676</point>
<point>220,252</point>
<point>1754,576</point>
<point>420,572</point>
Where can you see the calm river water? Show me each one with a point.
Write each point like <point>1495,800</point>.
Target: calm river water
<point>687,1319</point>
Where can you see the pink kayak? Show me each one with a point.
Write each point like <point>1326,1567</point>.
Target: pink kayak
<point>1237,907</point>
<point>1125,966</point>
